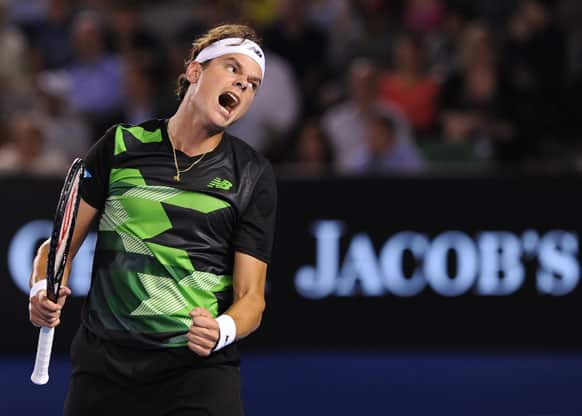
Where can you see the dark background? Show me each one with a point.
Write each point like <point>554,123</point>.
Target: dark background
<point>525,320</point>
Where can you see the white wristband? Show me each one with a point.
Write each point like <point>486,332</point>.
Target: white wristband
<point>227,331</point>
<point>40,285</point>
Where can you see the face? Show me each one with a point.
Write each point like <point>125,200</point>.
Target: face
<point>87,38</point>
<point>27,137</point>
<point>223,91</point>
<point>407,54</point>
<point>380,136</point>
<point>533,12</point>
<point>310,145</point>
<point>362,81</point>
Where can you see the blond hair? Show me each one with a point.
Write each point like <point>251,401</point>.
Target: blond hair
<point>213,35</point>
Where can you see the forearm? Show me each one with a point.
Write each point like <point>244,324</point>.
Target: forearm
<point>207,334</point>
<point>85,217</point>
<point>40,263</point>
<point>249,294</point>
<point>247,313</point>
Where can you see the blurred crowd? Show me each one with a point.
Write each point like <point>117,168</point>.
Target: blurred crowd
<point>351,87</point>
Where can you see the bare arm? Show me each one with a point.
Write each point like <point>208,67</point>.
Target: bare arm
<point>85,216</point>
<point>43,312</point>
<point>249,294</point>
<point>247,309</point>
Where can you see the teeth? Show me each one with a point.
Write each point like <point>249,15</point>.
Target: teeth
<point>228,100</point>
<point>233,97</point>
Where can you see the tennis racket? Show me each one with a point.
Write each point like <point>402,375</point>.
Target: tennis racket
<point>63,226</point>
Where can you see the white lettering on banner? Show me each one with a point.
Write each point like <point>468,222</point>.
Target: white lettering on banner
<point>435,264</point>
<point>360,262</point>
<point>391,258</point>
<point>555,261</point>
<point>22,249</point>
<point>502,252</point>
<point>490,264</point>
<point>320,283</point>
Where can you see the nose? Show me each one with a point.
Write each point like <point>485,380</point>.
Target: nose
<point>240,83</point>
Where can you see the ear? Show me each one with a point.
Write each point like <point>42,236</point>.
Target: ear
<point>193,72</point>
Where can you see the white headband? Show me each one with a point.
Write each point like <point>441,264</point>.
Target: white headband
<point>233,45</point>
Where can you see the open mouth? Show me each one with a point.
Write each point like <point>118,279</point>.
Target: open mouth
<point>229,101</point>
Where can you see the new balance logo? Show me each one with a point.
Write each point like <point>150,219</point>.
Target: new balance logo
<point>220,184</point>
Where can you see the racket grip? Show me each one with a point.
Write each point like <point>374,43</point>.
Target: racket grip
<point>40,374</point>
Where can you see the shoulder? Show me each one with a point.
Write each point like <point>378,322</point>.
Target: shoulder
<point>121,137</point>
<point>255,173</point>
<point>148,125</point>
<point>338,111</point>
<point>135,135</point>
<point>246,157</point>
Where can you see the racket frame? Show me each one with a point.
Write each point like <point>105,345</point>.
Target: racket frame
<point>54,278</point>
<point>67,209</point>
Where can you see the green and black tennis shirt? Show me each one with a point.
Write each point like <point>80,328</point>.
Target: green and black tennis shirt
<point>165,247</point>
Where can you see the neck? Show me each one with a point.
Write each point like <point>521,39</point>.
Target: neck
<point>189,135</point>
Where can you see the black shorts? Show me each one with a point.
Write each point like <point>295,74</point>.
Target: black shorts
<point>109,380</point>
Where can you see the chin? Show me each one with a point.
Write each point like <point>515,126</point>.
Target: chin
<point>224,123</point>
<point>218,125</point>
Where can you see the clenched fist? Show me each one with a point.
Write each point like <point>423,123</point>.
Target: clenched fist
<point>203,333</point>
<point>44,312</point>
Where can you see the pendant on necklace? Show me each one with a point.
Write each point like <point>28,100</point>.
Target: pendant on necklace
<point>177,178</point>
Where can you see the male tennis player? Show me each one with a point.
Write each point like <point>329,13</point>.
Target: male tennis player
<point>186,218</point>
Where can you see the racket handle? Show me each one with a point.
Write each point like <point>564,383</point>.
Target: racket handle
<point>40,374</point>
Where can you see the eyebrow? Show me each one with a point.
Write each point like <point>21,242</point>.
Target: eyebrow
<point>239,67</point>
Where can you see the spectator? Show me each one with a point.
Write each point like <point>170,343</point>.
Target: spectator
<point>139,102</point>
<point>204,15</point>
<point>509,91</point>
<point>15,66</point>
<point>570,16</point>
<point>132,39</point>
<point>261,13</point>
<point>304,46</point>
<point>99,6</point>
<point>25,152</point>
<point>26,12</point>
<point>344,122</point>
<point>377,20</point>
<point>443,47</point>
<point>96,75</point>
<point>494,13</point>
<point>537,67</point>
<point>387,151</point>
<point>342,27</point>
<point>312,153</point>
<point>477,104</point>
<point>65,131</point>
<point>409,87</point>
<point>51,37</point>
<point>423,16</point>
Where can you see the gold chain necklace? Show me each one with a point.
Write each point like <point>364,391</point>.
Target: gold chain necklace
<point>178,170</point>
